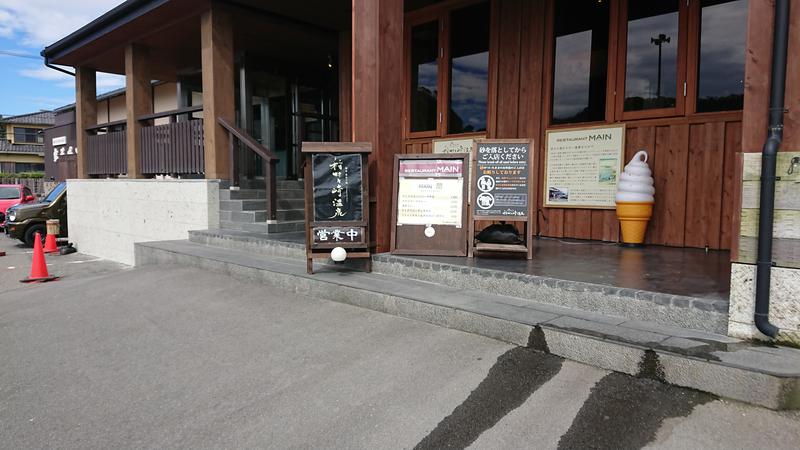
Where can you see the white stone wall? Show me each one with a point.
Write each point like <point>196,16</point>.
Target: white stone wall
<point>784,305</point>
<point>106,217</point>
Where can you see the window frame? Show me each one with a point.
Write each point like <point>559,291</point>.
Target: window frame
<point>681,69</point>
<point>687,70</point>
<point>26,132</point>
<point>441,13</point>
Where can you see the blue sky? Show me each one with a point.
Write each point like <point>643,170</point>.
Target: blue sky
<point>26,27</point>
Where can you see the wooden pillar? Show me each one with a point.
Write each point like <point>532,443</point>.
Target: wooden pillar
<point>85,113</point>
<point>377,61</point>
<point>138,102</point>
<point>216,37</point>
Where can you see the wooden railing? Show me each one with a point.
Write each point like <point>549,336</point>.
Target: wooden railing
<point>173,148</point>
<point>106,153</point>
<point>268,159</point>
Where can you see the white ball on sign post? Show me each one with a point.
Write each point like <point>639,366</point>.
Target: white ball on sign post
<point>338,254</point>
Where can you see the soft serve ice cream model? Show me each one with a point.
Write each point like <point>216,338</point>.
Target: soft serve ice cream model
<point>635,198</point>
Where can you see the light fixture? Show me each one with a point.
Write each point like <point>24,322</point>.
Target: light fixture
<point>338,254</point>
<point>330,61</point>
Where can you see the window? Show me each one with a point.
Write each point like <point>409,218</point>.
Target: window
<point>720,84</point>
<point>448,77</point>
<point>469,69</point>
<point>580,62</point>
<point>28,167</point>
<point>651,64</point>
<point>8,193</point>
<point>27,136</point>
<point>424,76</point>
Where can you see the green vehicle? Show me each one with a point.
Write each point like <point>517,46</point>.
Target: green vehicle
<point>23,221</point>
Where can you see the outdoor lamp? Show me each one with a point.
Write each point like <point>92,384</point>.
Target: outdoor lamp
<point>338,254</point>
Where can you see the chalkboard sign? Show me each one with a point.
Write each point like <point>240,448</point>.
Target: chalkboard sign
<point>337,187</point>
<point>336,193</point>
<point>501,187</point>
<point>503,184</point>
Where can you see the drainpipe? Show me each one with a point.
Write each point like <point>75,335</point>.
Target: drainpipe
<point>47,64</point>
<point>768,163</point>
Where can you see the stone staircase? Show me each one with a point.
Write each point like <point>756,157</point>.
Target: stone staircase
<point>246,209</point>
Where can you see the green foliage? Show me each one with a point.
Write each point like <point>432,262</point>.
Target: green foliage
<point>11,176</point>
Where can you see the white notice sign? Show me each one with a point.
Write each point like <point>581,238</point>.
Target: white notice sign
<point>582,167</point>
<point>430,201</point>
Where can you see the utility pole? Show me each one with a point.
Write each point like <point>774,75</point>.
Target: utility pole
<point>659,41</point>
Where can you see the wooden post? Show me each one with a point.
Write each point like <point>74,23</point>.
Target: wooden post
<point>85,114</point>
<point>216,38</point>
<point>377,80</point>
<point>138,102</point>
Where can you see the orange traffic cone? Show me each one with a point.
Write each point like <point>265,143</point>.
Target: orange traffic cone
<point>38,265</point>
<point>50,245</point>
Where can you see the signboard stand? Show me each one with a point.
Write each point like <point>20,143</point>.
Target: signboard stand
<point>502,190</point>
<point>337,200</point>
<point>429,213</point>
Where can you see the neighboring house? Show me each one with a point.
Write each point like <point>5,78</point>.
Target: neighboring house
<point>22,141</point>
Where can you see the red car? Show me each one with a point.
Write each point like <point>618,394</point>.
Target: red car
<point>13,194</point>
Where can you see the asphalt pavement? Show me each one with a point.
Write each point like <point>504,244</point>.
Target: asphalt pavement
<point>172,357</point>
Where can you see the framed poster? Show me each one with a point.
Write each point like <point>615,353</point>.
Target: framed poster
<point>429,211</point>
<point>336,186</point>
<point>503,185</point>
<point>458,145</point>
<point>582,166</point>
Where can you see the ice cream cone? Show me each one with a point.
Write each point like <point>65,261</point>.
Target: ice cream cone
<point>633,218</point>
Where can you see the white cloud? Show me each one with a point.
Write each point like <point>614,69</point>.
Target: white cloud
<point>105,81</point>
<point>38,23</point>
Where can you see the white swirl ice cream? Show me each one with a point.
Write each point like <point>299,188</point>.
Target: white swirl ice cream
<point>636,181</point>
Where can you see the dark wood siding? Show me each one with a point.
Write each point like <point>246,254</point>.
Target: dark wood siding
<point>692,157</point>
<point>173,148</point>
<point>106,154</point>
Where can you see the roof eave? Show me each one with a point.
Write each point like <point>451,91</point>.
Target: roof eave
<point>117,17</point>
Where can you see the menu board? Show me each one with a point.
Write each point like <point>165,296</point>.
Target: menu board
<point>337,187</point>
<point>430,192</point>
<point>501,179</point>
<point>582,166</point>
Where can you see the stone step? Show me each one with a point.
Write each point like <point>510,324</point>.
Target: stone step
<point>289,184</point>
<point>287,215</point>
<point>728,367</point>
<point>291,203</point>
<point>249,216</point>
<point>242,194</point>
<point>671,310</point>
<point>242,205</point>
<point>291,194</point>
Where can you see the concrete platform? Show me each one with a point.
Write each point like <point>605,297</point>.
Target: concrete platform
<point>583,285</point>
<point>766,376</point>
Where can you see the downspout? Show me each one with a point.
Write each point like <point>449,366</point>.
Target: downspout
<point>47,64</point>
<point>768,162</point>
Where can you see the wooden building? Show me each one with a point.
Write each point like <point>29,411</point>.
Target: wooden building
<point>689,78</point>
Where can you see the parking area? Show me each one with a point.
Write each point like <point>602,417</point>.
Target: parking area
<point>16,265</point>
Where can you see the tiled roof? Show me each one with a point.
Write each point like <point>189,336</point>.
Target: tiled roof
<point>47,118</point>
<point>7,147</point>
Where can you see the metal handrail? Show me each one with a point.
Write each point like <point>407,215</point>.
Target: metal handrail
<point>268,158</point>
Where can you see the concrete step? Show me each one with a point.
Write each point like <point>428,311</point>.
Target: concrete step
<point>290,184</point>
<point>766,376</point>
<point>284,215</point>
<point>242,205</point>
<point>291,203</point>
<point>667,309</point>
<point>291,194</point>
<point>249,216</point>
<point>265,228</point>
<point>242,194</point>
<point>248,241</point>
